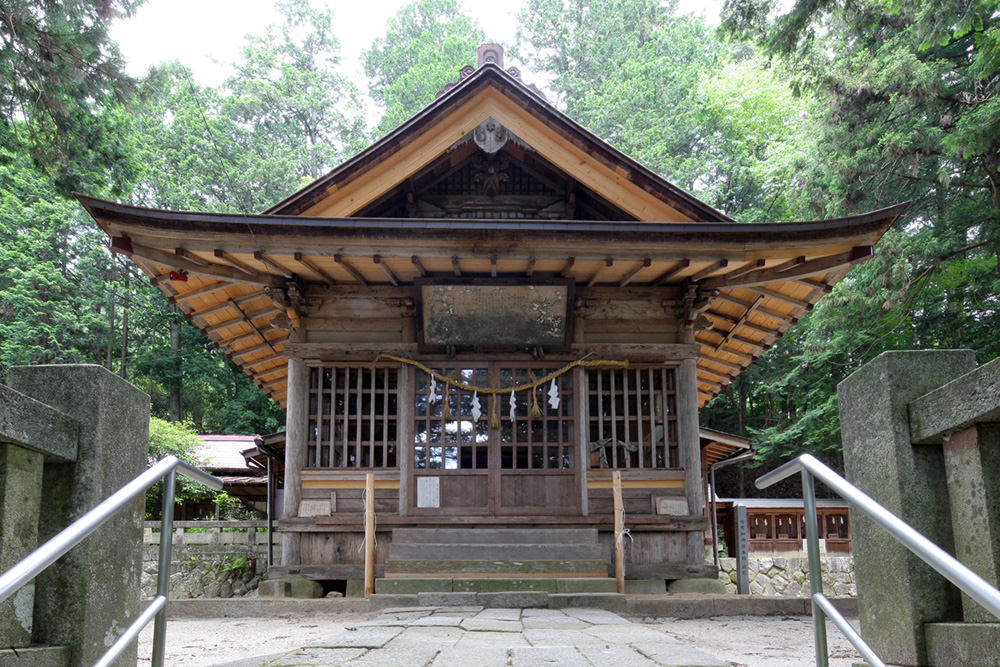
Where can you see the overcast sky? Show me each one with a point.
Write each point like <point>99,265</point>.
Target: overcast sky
<point>206,35</point>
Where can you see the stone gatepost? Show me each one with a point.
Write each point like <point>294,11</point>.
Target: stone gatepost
<point>897,592</point>
<point>87,598</point>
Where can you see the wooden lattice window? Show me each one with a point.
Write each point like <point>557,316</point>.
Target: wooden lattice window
<point>631,418</point>
<point>353,417</point>
<point>521,442</point>
<point>457,442</point>
<point>541,442</point>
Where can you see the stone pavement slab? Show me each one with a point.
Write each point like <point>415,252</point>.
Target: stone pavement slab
<point>549,656</point>
<point>627,634</point>
<point>491,624</point>
<point>597,616</point>
<point>437,635</point>
<point>317,657</point>
<point>618,656</point>
<point>361,637</point>
<point>679,655</point>
<point>477,637</point>
<point>483,656</point>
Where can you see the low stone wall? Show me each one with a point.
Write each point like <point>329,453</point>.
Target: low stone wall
<point>210,559</point>
<point>776,575</point>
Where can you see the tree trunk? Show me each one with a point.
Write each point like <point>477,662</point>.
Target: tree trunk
<point>175,386</point>
<point>109,342</point>
<point>123,365</point>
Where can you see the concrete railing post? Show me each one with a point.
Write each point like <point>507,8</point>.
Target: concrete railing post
<point>897,592</point>
<point>92,593</point>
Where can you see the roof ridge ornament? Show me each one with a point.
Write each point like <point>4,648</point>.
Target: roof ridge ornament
<point>489,54</point>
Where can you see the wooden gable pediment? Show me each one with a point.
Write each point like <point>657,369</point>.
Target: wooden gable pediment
<point>511,182</point>
<point>491,95</point>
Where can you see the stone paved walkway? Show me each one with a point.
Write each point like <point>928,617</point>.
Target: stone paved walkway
<point>477,637</point>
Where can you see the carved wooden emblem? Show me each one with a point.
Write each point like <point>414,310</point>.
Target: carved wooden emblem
<point>490,135</point>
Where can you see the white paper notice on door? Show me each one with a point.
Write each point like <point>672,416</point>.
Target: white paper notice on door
<point>428,492</point>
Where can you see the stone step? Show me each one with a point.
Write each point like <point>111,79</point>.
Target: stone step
<point>412,586</point>
<point>430,568</point>
<point>495,535</point>
<point>35,656</point>
<point>487,551</point>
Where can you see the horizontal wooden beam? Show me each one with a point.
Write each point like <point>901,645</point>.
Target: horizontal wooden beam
<point>813,267</point>
<point>217,271</point>
<point>652,351</point>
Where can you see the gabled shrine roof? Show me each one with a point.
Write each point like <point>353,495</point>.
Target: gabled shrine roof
<point>243,279</point>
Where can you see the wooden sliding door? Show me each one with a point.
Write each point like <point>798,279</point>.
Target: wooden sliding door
<point>519,466</point>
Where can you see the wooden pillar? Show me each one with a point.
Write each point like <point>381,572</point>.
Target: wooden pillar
<point>583,436</point>
<point>690,452</point>
<point>369,534</point>
<point>616,483</point>
<point>296,426</point>
<point>687,434</point>
<point>404,435</point>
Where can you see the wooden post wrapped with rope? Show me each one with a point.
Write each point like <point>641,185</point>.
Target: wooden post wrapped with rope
<point>616,482</point>
<point>369,534</point>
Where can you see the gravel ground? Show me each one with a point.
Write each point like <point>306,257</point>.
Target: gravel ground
<point>744,641</point>
<point>761,641</point>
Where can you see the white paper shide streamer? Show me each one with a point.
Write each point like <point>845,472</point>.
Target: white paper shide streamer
<point>477,408</point>
<point>513,405</point>
<point>554,395</point>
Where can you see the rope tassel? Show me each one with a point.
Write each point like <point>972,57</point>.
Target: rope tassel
<point>494,415</point>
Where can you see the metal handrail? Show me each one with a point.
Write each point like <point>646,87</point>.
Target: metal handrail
<point>968,581</point>
<point>29,568</point>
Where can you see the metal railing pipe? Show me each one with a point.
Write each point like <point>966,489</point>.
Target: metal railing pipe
<point>950,568</point>
<point>158,603</point>
<point>51,551</point>
<point>821,601</point>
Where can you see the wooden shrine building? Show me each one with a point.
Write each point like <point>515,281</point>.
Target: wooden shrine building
<point>492,310</point>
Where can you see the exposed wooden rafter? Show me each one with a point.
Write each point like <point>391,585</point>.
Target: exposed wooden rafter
<point>232,261</point>
<point>272,264</point>
<point>567,267</point>
<point>708,270</point>
<point>804,270</point>
<point>347,266</point>
<point>779,296</point>
<point>385,269</point>
<point>763,310</point>
<point>312,266</point>
<point>644,264</point>
<point>173,261</point>
<point>455,266</point>
<point>420,267</point>
<point>201,291</point>
<point>671,272</point>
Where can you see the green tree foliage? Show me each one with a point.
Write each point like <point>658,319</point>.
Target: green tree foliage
<point>427,42</point>
<point>664,90</point>
<point>52,272</point>
<point>178,439</point>
<point>60,80</point>
<point>905,109</point>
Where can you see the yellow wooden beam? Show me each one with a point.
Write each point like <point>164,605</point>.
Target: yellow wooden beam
<point>637,484</point>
